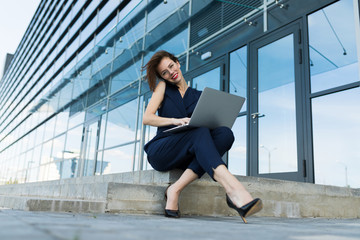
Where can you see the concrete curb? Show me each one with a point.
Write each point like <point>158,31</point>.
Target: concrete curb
<point>143,192</point>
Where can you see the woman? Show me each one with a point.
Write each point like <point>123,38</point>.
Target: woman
<point>197,150</point>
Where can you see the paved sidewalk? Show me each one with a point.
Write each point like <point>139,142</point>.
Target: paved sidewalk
<point>22,225</point>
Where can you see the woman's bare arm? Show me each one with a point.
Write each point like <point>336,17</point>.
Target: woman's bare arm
<point>150,117</point>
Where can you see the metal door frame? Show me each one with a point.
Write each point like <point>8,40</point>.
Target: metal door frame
<point>303,161</point>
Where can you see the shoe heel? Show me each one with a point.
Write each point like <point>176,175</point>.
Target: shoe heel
<point>243,219</point>
<point>248,209</point>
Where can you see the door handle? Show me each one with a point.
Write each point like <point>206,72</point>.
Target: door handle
<point>257,115</point>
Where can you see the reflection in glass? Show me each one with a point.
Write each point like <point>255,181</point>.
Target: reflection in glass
<point>118,160</point>
<point>53,171</point>
<point>46,152</point>
<point>65,94</point>
<point>72,152</point>
<point>69,166</point>
<point>28,165</point>
<point>61,122</point>
<point>90,148</point>
<point>76,119</point>
<point>237,153</point>
<point>102,132</point>
<point>43,172</point>
<point>150,133</point>
<point>32,174</point>
<point>49,129</point>
<point>333,53</point>
<point>336,141</point>
<point>238,73</point>
<point>121,122</point>
<point>277,128</point>
<point>37,156</point>
<point>209,79</point>
<point>82,80</point>
<point>126,76</point>
<point>162,11</point>
<point>99,169</point>
<point>176,45</point>
<point>58,149</point>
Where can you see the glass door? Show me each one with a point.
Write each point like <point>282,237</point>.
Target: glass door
<point>89,148</point>
<point>275,120</point>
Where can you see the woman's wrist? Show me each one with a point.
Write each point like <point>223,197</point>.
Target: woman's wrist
<point>173,121</point>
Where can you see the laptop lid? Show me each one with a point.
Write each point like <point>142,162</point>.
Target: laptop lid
<point>214,109</point>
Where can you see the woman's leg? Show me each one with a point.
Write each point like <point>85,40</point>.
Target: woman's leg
<point>234,189</point>
<point>173,192</point>
<point>223,139</point>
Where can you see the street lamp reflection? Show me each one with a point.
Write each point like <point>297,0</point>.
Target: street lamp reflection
<point>269,155</point>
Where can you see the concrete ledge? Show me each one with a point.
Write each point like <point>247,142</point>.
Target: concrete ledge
<point>61,205</point>
<point>143,192</point>
<point>52,205</point>
<point>130,198</point>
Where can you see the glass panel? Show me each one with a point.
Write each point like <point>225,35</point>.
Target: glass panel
<point>49,129</point>
<point>99,169</point>
<point>58,149</point>
<point>29,164</point>
<point>102,132</point>
<point>333,54</point>
<point>126,76</point>
<point>209,79</point>
<point>82,80</point>
<point>163,11</point>
<point>277,127</point>
<point>37,156</point>
<point>69,166</point>
<point>150,133</point>
<point>237,153</point>
<point>40,135</point>
<point>72,152</point>
<point>73,141</point>
<point>89,155</point>
<point>61,122</point>
<point>336,131</point>
<point>53,173</point>
<point>32,174</point>
<point>121,123</point>
<point>118,160</point>
<point>176,45</point>
<point>77,119</point>
<point>238,73</point>
<point>46,152</point>
<point>44,172</point>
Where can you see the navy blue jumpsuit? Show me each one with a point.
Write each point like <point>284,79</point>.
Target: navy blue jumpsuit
<point>198,149</point>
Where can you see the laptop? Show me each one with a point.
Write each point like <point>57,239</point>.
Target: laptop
<point>214,109</point>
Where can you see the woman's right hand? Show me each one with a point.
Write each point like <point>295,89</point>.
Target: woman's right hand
<point>181,121</point>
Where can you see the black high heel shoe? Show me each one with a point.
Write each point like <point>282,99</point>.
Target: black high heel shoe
<point>248,209</point>
<point>171,213</point>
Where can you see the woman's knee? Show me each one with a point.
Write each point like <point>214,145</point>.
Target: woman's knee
<point>226,133</point>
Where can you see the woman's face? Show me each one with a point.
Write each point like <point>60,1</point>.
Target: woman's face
<point>170,70</point>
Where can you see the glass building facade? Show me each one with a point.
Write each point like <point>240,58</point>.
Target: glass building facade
<point>73,96</point>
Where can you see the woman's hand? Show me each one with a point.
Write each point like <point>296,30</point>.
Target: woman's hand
<point>180,121</point>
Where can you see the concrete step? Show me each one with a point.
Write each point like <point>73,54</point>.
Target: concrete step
<point>143,192</point>
<point>52,205</point>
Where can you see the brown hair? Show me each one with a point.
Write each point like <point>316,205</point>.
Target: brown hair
<point>151,67</point>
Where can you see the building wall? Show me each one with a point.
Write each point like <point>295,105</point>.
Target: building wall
<point>72,99</point>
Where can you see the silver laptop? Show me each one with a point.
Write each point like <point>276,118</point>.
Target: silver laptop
<point>214,109</point>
